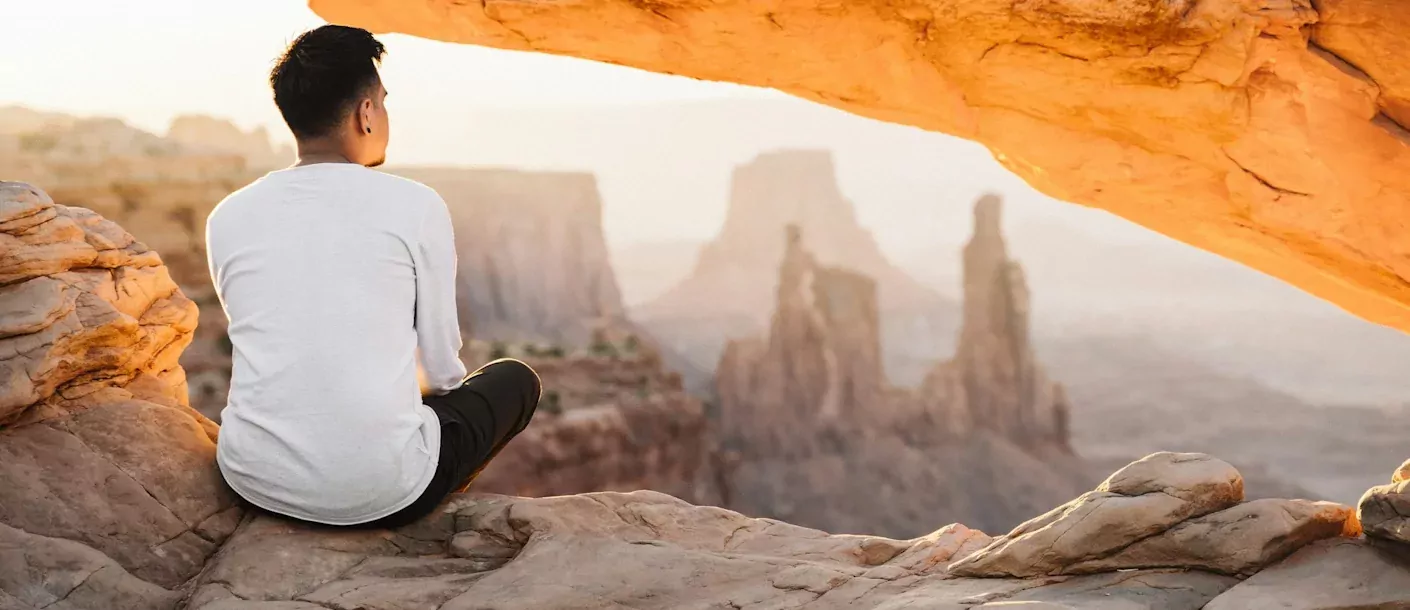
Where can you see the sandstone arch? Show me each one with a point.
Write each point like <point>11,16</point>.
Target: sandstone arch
<point>1270,132</point>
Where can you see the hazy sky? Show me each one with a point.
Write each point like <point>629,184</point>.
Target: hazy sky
<point>457,104</point>
<point>148,61</point>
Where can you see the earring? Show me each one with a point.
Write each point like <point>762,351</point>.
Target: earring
<point>369,130</point>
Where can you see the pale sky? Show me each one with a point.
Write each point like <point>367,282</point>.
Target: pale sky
<point>148,61</point>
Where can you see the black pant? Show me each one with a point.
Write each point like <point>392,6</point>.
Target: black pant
<point>492,406</point>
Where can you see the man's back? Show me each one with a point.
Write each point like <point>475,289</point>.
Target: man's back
<point>332,274</point>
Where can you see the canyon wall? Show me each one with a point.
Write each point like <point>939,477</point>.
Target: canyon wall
<point>813,432</point>
<point>612,418</point>
<point>1271,132</point>
<point>733,284</point>
<point>533,258</point>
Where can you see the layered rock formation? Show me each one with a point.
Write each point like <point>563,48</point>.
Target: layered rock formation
<point>1271,132</point>
<point>533,259</point>
<point>815,433</point>
<point>777,189</point>
<point>109,495</point>
<point>161,189</point>
<point>612,418</point>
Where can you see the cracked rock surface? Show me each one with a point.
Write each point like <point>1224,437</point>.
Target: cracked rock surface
<point>641,550</point>
<point>1141,500</point>
<point>1271,132</point>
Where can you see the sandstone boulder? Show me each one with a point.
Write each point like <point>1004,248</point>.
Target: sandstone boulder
<point>1239,541</point>
<point>1167,510</point>
<point>1385,512</point>
<point>109,495</point>
<point>1139,501</point>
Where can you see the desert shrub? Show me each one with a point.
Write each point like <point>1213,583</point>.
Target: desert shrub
<point>552,402</point>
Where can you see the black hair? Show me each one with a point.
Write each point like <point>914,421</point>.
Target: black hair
<point>321,76</point>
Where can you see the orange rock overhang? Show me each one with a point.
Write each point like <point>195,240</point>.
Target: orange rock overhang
<point>1270,132</point>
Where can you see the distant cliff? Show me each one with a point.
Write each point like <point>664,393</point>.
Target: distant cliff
<point>200,132</point>
<point>533,259</point>
<point>731,289</point>
<point>816,434</point>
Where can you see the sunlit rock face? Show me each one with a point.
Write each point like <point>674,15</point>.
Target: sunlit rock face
<point>1216,122</point>
<point>160,189</point>
<point>109,493</point>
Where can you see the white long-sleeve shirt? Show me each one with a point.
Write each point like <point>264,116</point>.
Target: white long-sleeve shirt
<point>334,276</point>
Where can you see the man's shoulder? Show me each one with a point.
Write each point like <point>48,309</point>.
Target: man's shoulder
<point>420,192</point>
<point>249,191</point>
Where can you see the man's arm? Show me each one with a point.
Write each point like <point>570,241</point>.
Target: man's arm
<point>437,327</point>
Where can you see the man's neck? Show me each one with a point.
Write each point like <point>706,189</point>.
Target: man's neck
<point>320,152</point>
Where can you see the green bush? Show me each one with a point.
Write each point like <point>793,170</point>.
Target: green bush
<point>603,348</point>
<point>38,142</point>
<point>552,402</point>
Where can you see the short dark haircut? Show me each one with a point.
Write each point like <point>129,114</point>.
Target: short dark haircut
<point>321,76</point>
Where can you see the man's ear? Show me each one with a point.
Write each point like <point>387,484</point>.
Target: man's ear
<point>364,113</point>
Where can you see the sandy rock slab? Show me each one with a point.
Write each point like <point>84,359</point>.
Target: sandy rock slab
<point>1167,510</point>
<point>639,550</point>
<point>1340,574</point>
